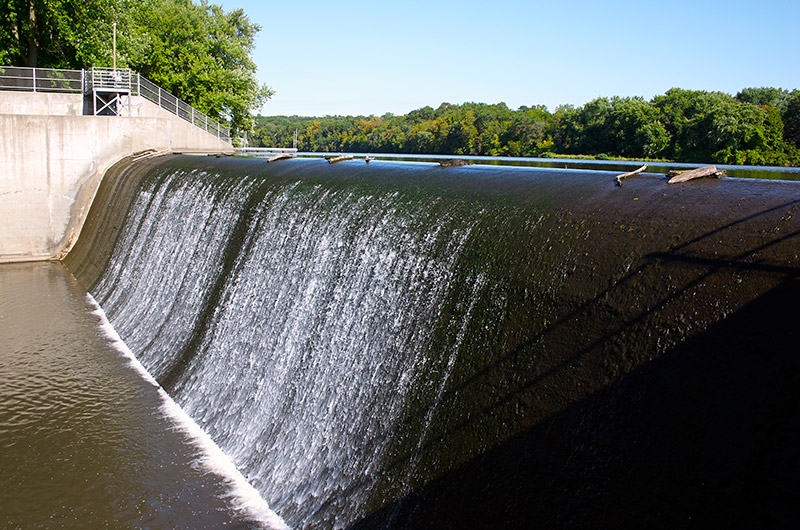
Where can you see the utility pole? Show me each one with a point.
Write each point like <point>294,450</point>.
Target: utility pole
<point>114,45</point>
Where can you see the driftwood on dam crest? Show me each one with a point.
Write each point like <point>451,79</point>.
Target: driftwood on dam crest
<point>705,171</point>
<point>629,174</point>
<point>454,162</point>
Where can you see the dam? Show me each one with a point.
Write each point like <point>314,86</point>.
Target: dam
<point>374,344</point>
<point>57,141</point>
<point>400,345</point>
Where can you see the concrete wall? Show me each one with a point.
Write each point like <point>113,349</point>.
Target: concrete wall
<point>52,160</point>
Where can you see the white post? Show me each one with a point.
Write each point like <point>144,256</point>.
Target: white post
<point>34,78</point>
<point>115,45</point>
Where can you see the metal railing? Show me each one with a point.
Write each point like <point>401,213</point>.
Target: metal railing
<point>141,86</point>
<point>108,80</point>
<point>41,80</point>
<point>112,79</point>
<point>264,151</point>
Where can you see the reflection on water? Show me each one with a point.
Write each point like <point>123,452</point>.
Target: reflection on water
<point>83,440</point>
<point>750,172</point>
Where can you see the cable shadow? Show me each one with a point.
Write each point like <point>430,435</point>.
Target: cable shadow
<point>703,435</point>
<point>687,255</point>
<point>704,269</point>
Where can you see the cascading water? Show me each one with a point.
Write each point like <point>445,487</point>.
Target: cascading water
<point>346,335</point>
<point>322,325</point>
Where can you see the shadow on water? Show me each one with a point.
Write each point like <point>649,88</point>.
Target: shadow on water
<point>707,433</point>
<point>703,434</point>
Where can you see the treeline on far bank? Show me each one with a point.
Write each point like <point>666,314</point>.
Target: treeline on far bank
<point>758,126</point>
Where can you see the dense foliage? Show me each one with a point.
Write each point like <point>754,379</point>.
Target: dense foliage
<point>758,126</point>
<point>198,52</point>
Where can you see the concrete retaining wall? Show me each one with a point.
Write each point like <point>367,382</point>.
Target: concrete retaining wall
<point>52,160</point>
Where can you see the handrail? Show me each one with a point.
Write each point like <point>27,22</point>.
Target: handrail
<point>119,80</point>
<point>141,86</point>
<point>115,79</point>
<point>41,79</point>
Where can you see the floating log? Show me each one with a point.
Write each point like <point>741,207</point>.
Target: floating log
<point>683,176</point>
<point>455,162</point>
<point>339,158</point>
<point>632,173</point>
<point>281,156</point>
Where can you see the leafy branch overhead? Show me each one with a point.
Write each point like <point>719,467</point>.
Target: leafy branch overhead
<point>199,52</point>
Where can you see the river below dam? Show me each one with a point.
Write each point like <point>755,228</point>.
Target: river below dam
<point>400,346</point>
<point>86,439</point>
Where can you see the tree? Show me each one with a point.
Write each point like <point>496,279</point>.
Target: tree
<point>715,127</point>
<point>201,54</point>
<point>791,120</point>
<point>638,129</point>
<point>566,129</point>
<point>58,33</point>
<point>683,125</point>
<point>198,52</point>
<point>774,97</point>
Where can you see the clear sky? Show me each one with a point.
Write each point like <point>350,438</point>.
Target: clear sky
<point>362,57</point>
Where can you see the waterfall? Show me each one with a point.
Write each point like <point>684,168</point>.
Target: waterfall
<point>347,335</point>
<point>322,327</point>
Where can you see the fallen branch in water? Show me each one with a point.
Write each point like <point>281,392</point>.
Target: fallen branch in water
<point>683,176</point>
<point>340,158</point>
<point>454,162</point>
<point>632,173</point>
<point>282,156</point>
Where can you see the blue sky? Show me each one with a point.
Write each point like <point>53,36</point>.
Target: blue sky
<point>356,57</point>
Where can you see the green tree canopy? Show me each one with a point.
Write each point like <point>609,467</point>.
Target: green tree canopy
<point>202,54</point>
<point>58,33</point>
<point>197,51</point>
<point>773,97</point>
<point>791,120</point>
<point>682,125</point>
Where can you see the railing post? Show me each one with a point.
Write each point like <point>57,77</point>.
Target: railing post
<point>33,74</point>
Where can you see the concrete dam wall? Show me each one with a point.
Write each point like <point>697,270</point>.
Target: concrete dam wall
<point>52,159</point>
<point>404,346</point>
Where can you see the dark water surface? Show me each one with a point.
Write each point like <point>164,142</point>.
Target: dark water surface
<point>403,346</point>
<point>84,438</point>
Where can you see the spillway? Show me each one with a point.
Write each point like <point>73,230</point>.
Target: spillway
<point>401,345</point>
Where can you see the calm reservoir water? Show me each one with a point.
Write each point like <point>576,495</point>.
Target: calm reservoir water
<point>617,166</point>
<point>86,441</point>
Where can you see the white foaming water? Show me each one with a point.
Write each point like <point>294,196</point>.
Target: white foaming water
<point>317,343</point>
<point>243,496</point>
<point>174,225</point>
<point>321,332</point>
